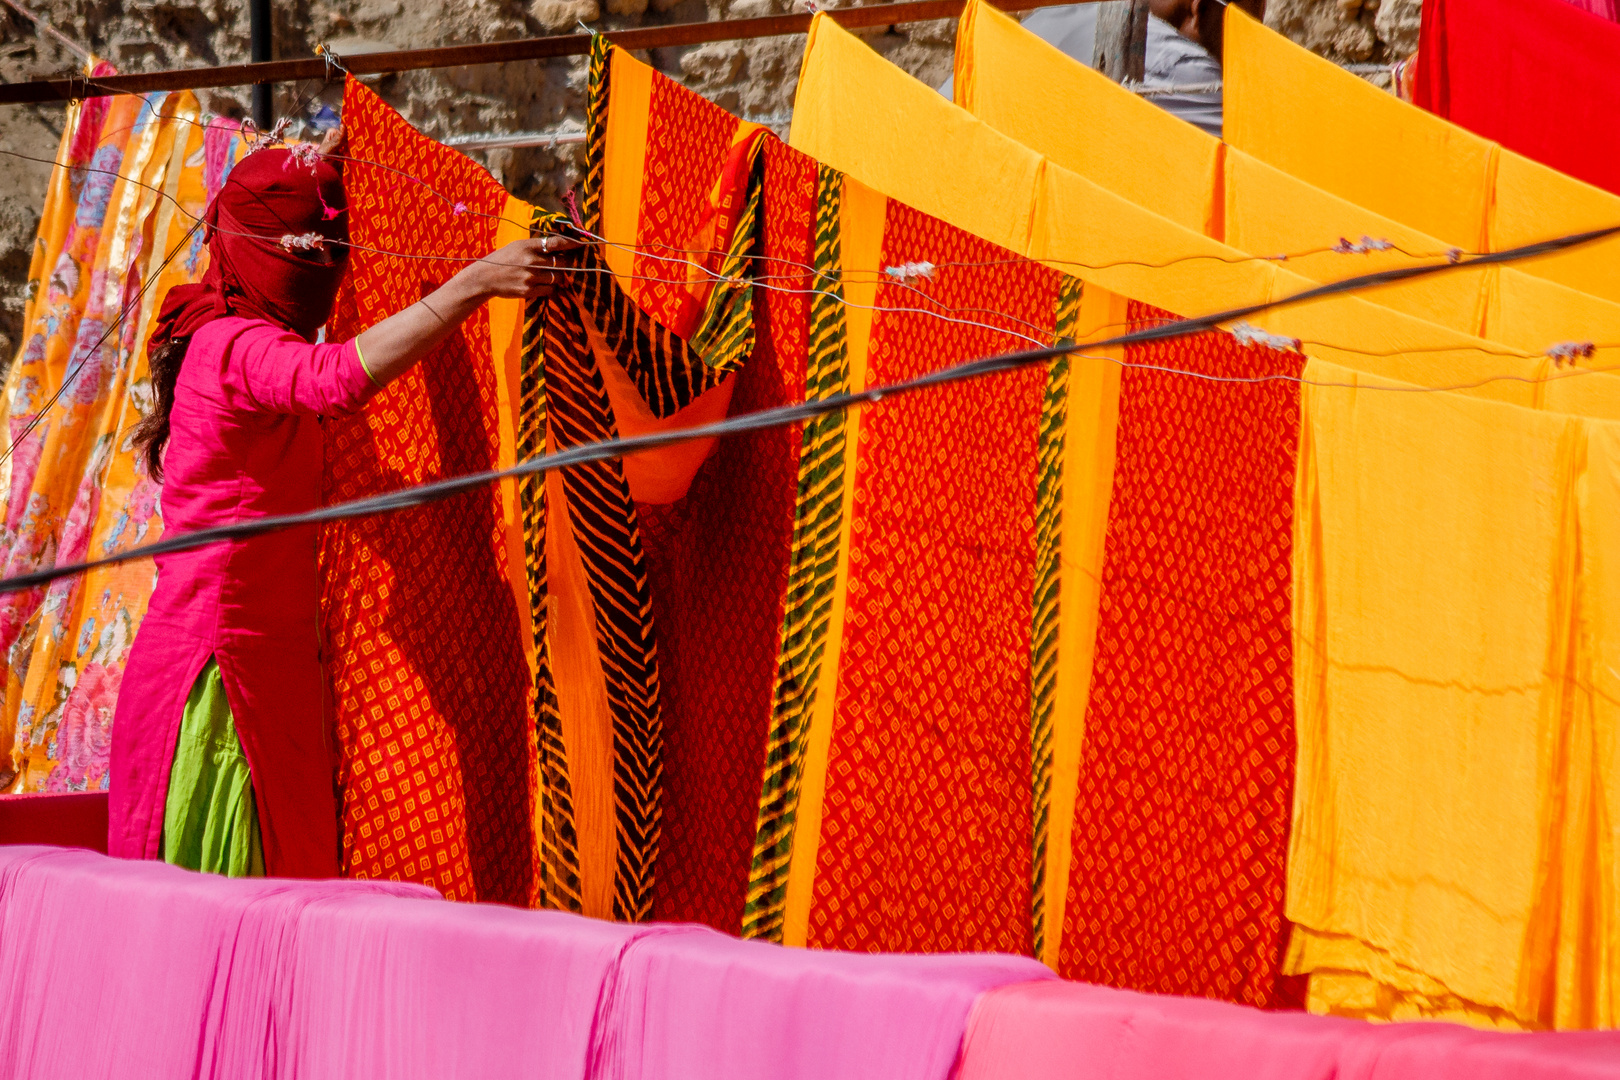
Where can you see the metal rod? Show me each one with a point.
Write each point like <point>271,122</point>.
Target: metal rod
<point>260,33</point>
<point>52,32</point>
<point>500,52</point>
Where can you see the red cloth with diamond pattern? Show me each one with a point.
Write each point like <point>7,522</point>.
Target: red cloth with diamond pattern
<point>718,561</point>
<point>423,641</point>
<point>1181,823</point>
<point>687,140</point>
<point>926,822</point>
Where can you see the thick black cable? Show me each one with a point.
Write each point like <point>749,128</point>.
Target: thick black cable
<point>765,418</point>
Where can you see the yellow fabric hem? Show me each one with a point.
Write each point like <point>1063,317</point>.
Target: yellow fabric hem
<point>624,157</point>
<point>1088,487</point>
<point>861,240</point>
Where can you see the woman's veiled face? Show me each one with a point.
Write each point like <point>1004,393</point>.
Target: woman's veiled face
<point>325,255</point>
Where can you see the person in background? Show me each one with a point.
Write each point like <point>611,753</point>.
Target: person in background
<point>1184,48</point>
<point>222,758</point>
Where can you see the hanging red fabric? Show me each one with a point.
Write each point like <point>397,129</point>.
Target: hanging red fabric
<point>1532,75</point>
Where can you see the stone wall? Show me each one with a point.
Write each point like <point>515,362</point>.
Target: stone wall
<point>753,78</point>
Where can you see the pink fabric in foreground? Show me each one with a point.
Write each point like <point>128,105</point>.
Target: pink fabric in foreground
<point>694,1003</point>
<point>123,968</point>
<point>112,968</point>
<point>1074,1031</point>
<point>389,991</point>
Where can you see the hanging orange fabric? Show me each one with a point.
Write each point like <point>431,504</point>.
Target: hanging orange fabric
<point>718,562</point>
<point>926,821</point>
<point>424,649</point>
<point>1181,824</point>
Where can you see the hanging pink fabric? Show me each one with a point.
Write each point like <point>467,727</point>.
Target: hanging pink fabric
<point>383,990</point>
<point>1534,75</point>
<point>1073,1031</point>
<point>1603,9</point>
<point>111,967</point>
<point>695,1003</point>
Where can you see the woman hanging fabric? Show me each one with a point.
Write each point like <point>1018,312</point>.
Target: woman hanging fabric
<point>221,755</point>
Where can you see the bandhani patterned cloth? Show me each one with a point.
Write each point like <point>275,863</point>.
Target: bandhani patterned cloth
<point>139,194</point>
<point>926,831</point>
<point>720,575</point>
<point>1181,823</point>
<point>422,633</point>
<point>709,225</point>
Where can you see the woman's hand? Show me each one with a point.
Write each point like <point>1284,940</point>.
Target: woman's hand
<point>522,270</point>
<point>335,141</point>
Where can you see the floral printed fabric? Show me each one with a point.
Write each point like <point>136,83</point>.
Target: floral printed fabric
<point>134,176</point>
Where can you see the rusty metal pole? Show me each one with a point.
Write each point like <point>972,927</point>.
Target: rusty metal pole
<point>259,50</point>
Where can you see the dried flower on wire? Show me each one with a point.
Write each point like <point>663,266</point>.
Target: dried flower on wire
<point>310,241</point>
<point>906,273</point>
<point>1249,334</point>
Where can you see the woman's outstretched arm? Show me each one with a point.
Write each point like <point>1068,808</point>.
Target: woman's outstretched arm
<point>523,269</point>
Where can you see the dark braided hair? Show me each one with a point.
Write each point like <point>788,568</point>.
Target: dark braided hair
<point>152,433</point>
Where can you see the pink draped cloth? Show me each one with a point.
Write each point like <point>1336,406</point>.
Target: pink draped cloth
<point>117,968</point>
<point>245,443</point>
<point>388,991</point>
<point>1074,1031</point>
<point>111,968</point>
<point>1603,9</point>
<point>695,1003</point>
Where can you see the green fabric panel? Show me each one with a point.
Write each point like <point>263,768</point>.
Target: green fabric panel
<point>210,822</point>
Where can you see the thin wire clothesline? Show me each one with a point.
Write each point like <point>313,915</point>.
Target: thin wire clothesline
<point>764,280</point>
<point>1452,259</point>
<point>848,276</point>
<point>855,276</point>
<point>1452,253</point>
<point>72,375</point>
<point>758,420</point>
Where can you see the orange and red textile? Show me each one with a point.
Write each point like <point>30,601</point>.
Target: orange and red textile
<point>1533,75</point>
<point>718,558</point>
<point>422,637</point>
<point>926,828</point>
<point>1181,822</point>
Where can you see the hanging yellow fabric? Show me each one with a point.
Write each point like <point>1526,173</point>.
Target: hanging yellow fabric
<point>838,69</point>
<point>1124,143</point>
<point>1533,202</point>
<point>1005,75</point>
<point>1404,163</point>
<point>1080,228</point>
<point>1270,212</point>
<point>1372,148</point>
<point>1597,719</point>
<point>1434,559</point>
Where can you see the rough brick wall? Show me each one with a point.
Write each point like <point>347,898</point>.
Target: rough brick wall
<point>754,78</point>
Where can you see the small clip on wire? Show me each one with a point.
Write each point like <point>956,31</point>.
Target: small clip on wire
<point>334,62</point>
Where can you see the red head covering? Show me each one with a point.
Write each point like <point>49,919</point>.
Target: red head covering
<point>262,227</point>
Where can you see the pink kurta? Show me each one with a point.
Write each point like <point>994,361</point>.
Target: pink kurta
<point>244,443</point>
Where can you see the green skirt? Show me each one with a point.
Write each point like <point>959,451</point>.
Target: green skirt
<point>210,821</point>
